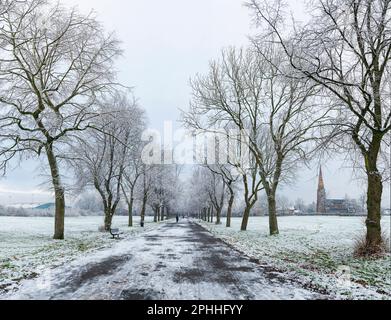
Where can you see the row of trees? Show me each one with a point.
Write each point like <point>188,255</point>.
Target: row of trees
<point>109,160</point>
<point>299,90</point>
<point>205,190</point>
<point>55,66</point>
<point>278,117</point>
<point>60,100</point>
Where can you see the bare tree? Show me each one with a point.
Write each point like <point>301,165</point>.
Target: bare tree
<point>55,64</point>
<point>346,49</point>
<point>252,184</point>
<point>230,182</point>
<point>130,180</point>
<point>99,157</point>
<point>134,165</point>
<point>230,177</point>
<point>216,189</point>
<point>145,190</point>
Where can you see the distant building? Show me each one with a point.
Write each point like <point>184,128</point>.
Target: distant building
<point>332,206</point>
<point>284,212</point>
<point>340,206</point>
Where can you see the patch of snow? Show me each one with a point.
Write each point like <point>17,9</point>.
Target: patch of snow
<point>27,249</point>
<point>315,251</point>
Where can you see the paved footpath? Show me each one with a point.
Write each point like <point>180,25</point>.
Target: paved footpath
<point>175,261</point>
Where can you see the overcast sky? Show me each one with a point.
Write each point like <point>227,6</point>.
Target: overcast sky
<point>166,43</point>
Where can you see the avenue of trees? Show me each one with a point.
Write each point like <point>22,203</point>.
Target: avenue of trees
<point>345,49</point>
<point>55,65</point>
<point>60,100</point>
<point>297,91</point>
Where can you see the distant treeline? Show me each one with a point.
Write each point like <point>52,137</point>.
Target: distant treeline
<point>22,212</point>
<point>71,212</point>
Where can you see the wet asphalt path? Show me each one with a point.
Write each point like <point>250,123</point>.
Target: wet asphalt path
<point>173,262</point>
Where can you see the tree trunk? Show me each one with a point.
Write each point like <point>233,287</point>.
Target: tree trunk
<point>162,213</point>
<point>155,217</point>
<point>108,219</point>
<point>212,213</point>
<point>218,216</point>
<point>143,209</point>
<point>130,210</point>
<point>373,223</point>
<point>209,210</point>
<point>250,200</point>
<point>229,212</point>
<point>273,223</point>
<point>59,193</point>
<point>246,216</point>
<point>374,198</point>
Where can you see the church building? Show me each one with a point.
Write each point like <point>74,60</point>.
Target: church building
<point>331,206</point>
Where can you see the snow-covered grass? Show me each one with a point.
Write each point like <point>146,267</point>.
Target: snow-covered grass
<point>27,248</point>
<point>315,251</point>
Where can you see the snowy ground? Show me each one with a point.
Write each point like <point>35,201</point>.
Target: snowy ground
<point>183,261</point>
<point>27,248</point>
<point>171,262</point>
<point>315,251</point>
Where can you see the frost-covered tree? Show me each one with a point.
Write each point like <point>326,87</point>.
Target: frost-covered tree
<point>130,180</point>
<point>216,190</point>
<point>230,178</point>
<point>55,64</point>
<point>145,189</point>
<point>134,165</point>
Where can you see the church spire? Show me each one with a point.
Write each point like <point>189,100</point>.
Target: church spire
<point>321,203</point>
<point>321,181</point>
